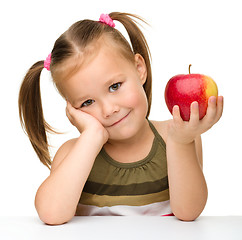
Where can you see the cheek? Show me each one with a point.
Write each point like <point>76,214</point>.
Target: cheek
<point>136,98</point>
<point>93,111</point>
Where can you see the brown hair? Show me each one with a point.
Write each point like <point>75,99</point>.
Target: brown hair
<point>73,44</point>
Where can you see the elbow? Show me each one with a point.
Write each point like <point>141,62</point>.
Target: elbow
<point>53,219</point>
<point>187,214</point>
<point>186,217</point>
<point>51,216</point>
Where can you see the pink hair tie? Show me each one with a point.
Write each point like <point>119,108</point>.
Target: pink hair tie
<point>47,62</point>
<point>105,18</point>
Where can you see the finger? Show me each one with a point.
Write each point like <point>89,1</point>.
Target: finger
<point>211,110</point>
<point>176,115</point>
<point>70,108</point>
<point>220,103</point>
<point>68,115</point>
<point>67,108</point>
<point>68,105</point>
<point>194,116</point>
<point>68,111</point>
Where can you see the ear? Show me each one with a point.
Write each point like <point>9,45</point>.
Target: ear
<point>140,67</point>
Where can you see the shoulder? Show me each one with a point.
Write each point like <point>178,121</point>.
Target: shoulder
<point>62,152</point>
<point>161,127</point>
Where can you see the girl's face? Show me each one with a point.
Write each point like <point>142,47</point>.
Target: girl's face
<point>110,88</point>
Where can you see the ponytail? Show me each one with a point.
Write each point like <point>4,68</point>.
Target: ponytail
<point>139,45</point>
<point>31,113</point>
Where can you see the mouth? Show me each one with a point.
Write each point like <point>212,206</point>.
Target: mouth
<point>119,120</point>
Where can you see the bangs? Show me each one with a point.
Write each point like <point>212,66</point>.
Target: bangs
<point>64,71</point>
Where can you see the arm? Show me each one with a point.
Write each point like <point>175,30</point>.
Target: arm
<point>187,185</point>
<point>57,197</point>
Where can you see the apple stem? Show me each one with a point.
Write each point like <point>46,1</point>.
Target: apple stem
<point>189,68</point>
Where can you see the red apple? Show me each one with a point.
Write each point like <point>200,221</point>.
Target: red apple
<point>182,90</point>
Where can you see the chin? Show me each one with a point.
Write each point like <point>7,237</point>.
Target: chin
<point>123,133</point>
<point>120,134</point>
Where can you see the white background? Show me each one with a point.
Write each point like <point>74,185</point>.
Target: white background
<point>206,34</point>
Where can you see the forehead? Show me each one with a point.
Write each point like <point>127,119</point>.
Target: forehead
<point>102,67</point>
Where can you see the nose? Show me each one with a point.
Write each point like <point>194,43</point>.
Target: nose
<point>109,108</point>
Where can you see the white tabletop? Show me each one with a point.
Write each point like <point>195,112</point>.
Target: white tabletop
<point>205,227</point>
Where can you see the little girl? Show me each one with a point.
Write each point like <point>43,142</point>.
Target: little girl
<point>122,162</point>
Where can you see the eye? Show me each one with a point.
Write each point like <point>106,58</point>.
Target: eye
<point>87,103</point>
<point>115,87</point>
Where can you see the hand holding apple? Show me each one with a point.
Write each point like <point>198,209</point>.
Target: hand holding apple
<point>185,132</point>
<point>182,90</point>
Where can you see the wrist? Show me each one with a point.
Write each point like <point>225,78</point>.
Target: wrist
<point>180,141</point>
<point>96,135</point>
